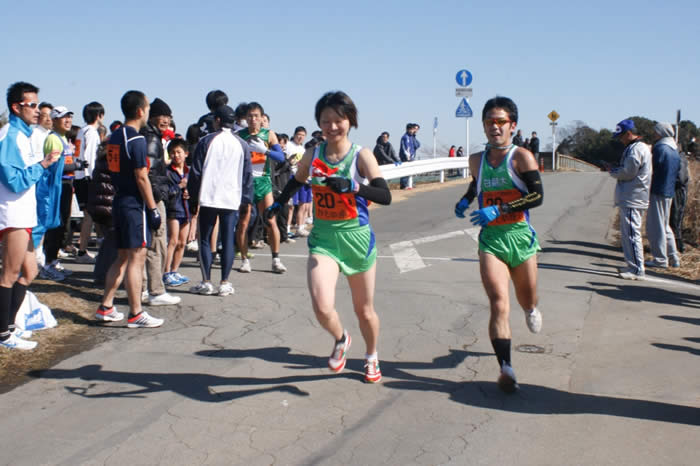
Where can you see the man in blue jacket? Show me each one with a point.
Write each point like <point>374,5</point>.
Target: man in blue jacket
<point>18,213</point>
<point>666,163</point>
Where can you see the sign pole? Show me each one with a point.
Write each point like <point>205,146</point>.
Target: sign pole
<point>434,142</point>
<point>555,165</point>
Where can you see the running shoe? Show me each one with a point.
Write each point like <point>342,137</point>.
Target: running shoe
<point>24,334</point>
<point>144,297</point>
<point>627,275</point>
<point>534,320</point>
<point>226,289</point>
<point>245,266</point>
<point>192,246</point>
<point>336,362</point>
<point>163,299</point>
<point>14,342</point>
<point>143,320</point>
<point>181,278</point>
<point>372,372</point>
<point>278,266</point>
<point>86,258</point>
<point>506,381</point>
<point>249,255</point>
<point>302,232</point>
<point>170,279</point>
<point>62,254</point>
<point>675,263</point>
<point>205,288</point>
<point>108,315</point>
<point>62,269</point>
<point>654,264</point>
<point>49,272</point>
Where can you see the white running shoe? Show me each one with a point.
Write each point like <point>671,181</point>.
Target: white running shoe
<point>245,266</point>
<point>164,299</point>
<point>143,320</point>
<point>338,358</point>
<point>192,246</point>
<point>24,334</point>
<point>204,288</point>
<point>17,343</point>
<point>302,232</point>
<point>62,254</point>
<point>226,289</point>
<point>534,320</point>
<point>62,269</point>
<point>108,315</point>
<point>627,275</point>
<point>144,297</point>
<point>506,381</point>
<point>278,266</point>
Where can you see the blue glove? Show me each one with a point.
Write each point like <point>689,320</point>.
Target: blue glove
<point>460,207</point>
<point>271,211</point>
<point>396,164</point>
<point>484,216</point>
<point>153,219</point>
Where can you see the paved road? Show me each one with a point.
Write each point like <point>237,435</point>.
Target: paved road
<point>612,379</point>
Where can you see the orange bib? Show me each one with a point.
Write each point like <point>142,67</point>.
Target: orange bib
<point>329,205</point>
<point>503,197</point>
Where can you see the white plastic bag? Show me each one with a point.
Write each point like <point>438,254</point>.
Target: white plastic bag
<point>33,315</point>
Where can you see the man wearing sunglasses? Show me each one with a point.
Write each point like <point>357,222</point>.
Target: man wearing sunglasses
<point>507,185</point>
<point>18,215</point>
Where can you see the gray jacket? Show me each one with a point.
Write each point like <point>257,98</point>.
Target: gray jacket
<point>633,176</point>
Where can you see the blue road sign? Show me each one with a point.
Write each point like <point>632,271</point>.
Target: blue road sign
<point>464,78</point>
<point>464,110</point>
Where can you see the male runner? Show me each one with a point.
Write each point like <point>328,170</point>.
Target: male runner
<point>507,184</point>
<point>18,213</point>
<point>134,210</point>
<point>263,146</point>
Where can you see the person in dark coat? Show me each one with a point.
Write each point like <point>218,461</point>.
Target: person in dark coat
<point>99,206</point>
<point>384,152</point>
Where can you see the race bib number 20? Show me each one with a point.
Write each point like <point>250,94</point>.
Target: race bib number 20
<point>329,205</point>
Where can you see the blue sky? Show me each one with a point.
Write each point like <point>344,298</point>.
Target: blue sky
<point>597,62</point>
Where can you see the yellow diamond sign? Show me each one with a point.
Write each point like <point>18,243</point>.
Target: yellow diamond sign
<point>553,115</point>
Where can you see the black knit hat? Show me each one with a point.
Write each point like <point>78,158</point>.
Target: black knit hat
<point>159,108</point>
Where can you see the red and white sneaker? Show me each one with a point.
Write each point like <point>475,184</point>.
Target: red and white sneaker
<point>372,372</point>
<point>108,314</point>
<point>337,361</point>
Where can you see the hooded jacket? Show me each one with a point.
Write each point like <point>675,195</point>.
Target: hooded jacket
<point>17,177</point>
<point>666,162</point>
<point>156,157</point>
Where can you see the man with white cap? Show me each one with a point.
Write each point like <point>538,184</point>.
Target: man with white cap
<point>632,196</point>
<point>61,235</point>
<point>666,163</point>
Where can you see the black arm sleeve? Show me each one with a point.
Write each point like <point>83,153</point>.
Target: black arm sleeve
<point>292,186</point>
<point>534,196</point>
<point>377,191</point>
<point>471,191</point>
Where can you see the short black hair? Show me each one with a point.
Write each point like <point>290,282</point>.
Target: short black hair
<point>282,137</point>
<point>253,106</point>
<point>193,133</point>
<point>92,111</point>
<point>15,93</point>
<point>383,133</point>
<point>216,99</point>
<point>409,126</point>
<point>175,143</point>
<point>299,128</point>
<point>44,105</point>
<point>341,103</point>
<point>131,102</point>
<point>267,116</point>
<point>501,102</point>
<point>241,111</point>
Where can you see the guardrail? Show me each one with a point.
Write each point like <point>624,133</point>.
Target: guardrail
<point>566,162</point>
<point>418,167</point>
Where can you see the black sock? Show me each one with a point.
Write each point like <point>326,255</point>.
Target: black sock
<point>5,309</point>
<point>342,340</point>
<point>18,293</point>
<point>275,255</point>
<point>82,252</point>
<point>502,348</point>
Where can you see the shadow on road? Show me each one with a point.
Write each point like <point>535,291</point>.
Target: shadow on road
<point>685,320</point>
<point>686,349</point>
<point>640,293</point>
<point>536,399</point>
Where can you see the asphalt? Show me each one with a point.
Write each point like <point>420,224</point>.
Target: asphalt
<point>613,378</point>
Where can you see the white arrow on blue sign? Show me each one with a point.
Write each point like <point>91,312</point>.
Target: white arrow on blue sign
<point>464,78</point>
<point>464,110</point>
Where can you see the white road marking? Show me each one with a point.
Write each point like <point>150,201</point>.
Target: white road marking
<point>406,255</point>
